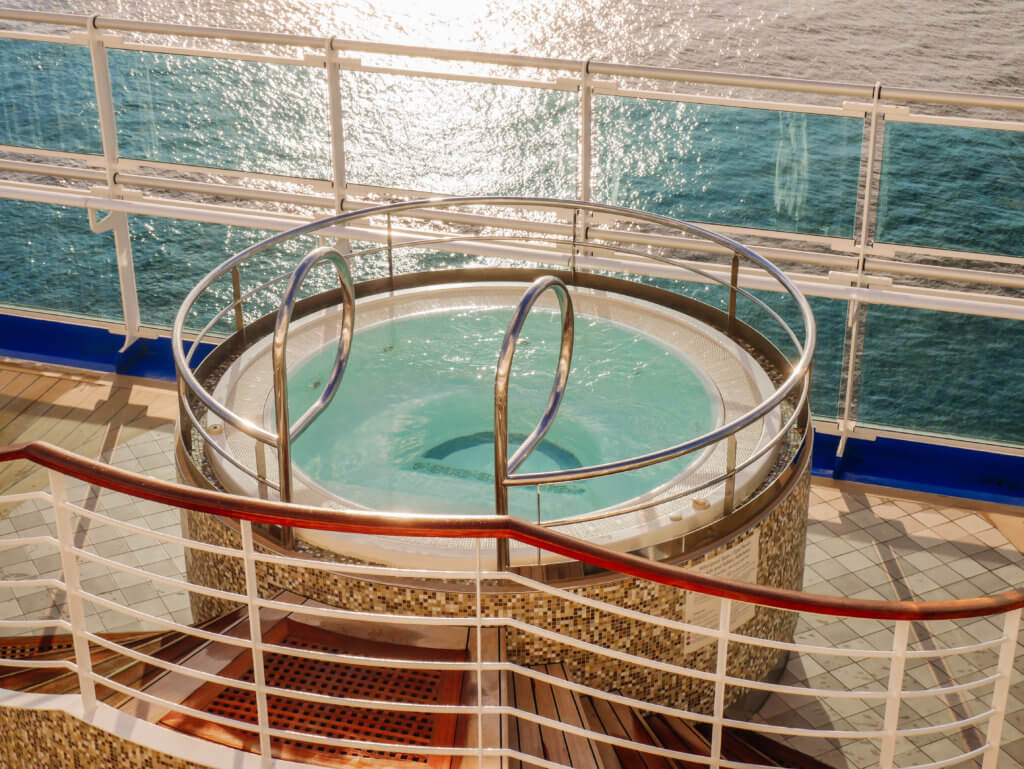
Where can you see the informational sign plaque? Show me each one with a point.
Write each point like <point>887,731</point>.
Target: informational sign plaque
<point>738,562</point>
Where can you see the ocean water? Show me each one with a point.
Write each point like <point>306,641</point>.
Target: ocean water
<point>941,187</point>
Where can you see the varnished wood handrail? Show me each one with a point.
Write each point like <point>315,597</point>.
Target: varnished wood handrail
<point>495,527</point>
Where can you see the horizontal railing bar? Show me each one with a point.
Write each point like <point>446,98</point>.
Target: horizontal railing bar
<point>160,536</point>
<point>541,85</point>
<point>93,161</point>
<point>41,539</point>
<point>183,585</point>
<point>807,283</point>
<point>369,616</point>
<point>360,569</point>
<point>33,624</point>
<point>177,707</point>
<point>167,624</point>
<point>561,726</point>
<point>644,72</point>
<point>957,274</point>
<point>873,431</point>
<point>922,96</point>
<point>404,706</point>
<point>621,699</point>
<point>228,190</point>
<point>264,511</point>
<point>800,731</point>
<point>927,654</point>
<point>26,496</point>
<point>592,603</point>
<point>975,753</point>
<point>42,17</point>
<point>168,666</point>
<point>761,82</point>
<point>921,731</point>
<point>404,747</point>
<point>378,662</point>
<point>942,691</point>
<point>50,582</point>
<point>611,88</point>
<point>48,169</point>
<point>38,664</point>
<point>120,44</point>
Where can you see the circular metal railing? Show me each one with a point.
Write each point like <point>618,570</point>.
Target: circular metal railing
<point>575,237</point>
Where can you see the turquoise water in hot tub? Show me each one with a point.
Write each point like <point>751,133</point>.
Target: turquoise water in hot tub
<point>411,427</point>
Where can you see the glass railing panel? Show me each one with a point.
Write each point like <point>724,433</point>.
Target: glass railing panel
<point>222,113</point>
<point>47,98</point>
<point>52,261</point>
<point>946,373</point>
<point>173,255</point>
<point>829,315</point>
<point>459,138</point>
<point>830,318</point>
<point>766,169</point>
<point>952,187</point>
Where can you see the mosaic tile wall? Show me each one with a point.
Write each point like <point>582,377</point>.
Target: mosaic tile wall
<point>39,738</point>
<point>782,534</point>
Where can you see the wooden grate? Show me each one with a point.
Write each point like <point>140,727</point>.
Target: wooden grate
<point>21,651</point>
<point>401,728</point>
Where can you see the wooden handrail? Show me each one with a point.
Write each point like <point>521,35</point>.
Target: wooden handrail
<point>495,527</point>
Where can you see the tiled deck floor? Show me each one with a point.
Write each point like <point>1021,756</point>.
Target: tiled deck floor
<point>859,544</point>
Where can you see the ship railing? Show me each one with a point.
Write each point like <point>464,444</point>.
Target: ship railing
<point>532,232</point>
<point>922,683</point>
<point>871,262</point>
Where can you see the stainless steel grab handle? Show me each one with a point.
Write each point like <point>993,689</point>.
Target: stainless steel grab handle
<point>503,466</point>
<point>286,432</point>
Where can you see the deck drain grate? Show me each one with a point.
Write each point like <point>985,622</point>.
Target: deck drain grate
<point>323,677</point>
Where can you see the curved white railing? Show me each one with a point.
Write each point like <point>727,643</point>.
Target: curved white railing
<point>885,691</point>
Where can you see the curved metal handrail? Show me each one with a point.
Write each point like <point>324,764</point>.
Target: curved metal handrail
<point>287,432</point>
<point>503,466</point>
<point>492,526</point>
<point>795,378</point>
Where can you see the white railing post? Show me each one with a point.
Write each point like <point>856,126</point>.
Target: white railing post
<point>894,692</point>
<point>853,325</point>
<point>336,126</point>
<point>73,592</point>
<point>721,667</point>
<point>479,663</point>
<point>118,221</point>
<point>1001,690</point>
<point>586,133</point>
<point>336,116</point>
<point>252,592</point>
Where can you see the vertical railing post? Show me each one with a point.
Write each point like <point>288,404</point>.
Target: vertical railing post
<point>118,221</point>
<point>1001,690</point>
<point>729,494</point>
<point>734,280</point>
<point>391,256</point>
<point>73,592</point>
<point>236,293</point>
<point>337,128</point>
<point>586,134</point>
<point>853,325</point>
<point>252,593</point>
<point>721,667</point>
<point>893,696</point>
<point>479,661</point>
<point>339,172</point>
